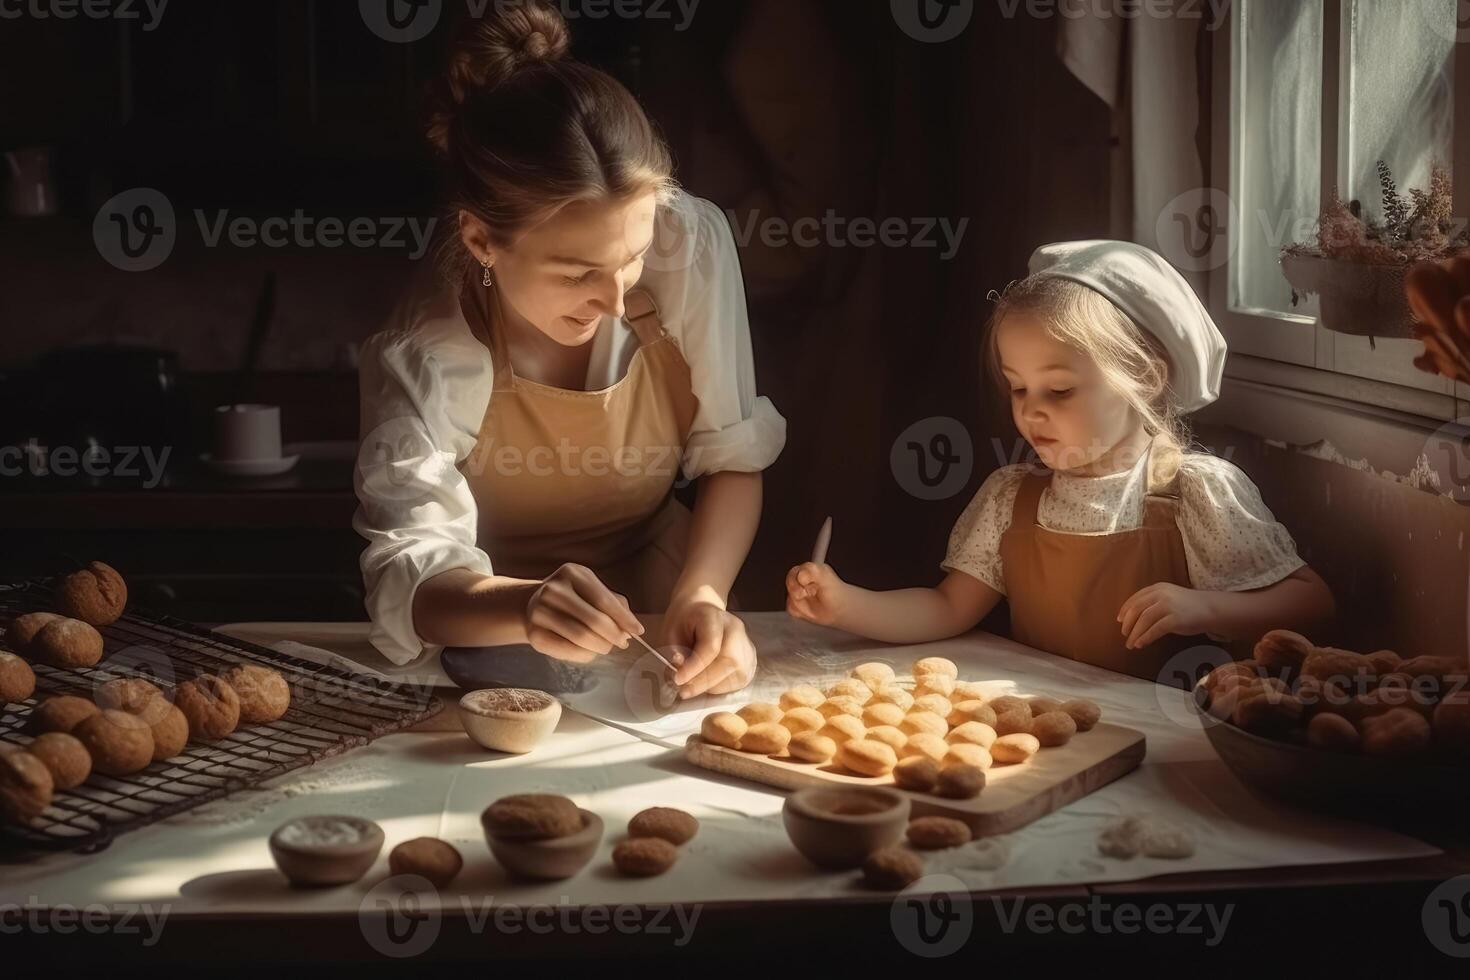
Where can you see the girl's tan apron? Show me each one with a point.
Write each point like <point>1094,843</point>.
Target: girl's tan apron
<point>1065,590</point>
<point>586,476</point>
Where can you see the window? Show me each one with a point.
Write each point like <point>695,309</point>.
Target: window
<point>1309,96</point>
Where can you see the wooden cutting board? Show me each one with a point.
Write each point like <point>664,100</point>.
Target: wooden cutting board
<point>1013,796</point>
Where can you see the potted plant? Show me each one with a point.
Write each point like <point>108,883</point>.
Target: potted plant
<point>1357,267</point>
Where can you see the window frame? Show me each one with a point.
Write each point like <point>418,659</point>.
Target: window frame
<point>1267,349</point>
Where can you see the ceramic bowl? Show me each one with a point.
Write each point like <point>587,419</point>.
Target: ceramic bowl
<point>1339,783</point>
<point>326,850</point>
<point>552,858</point>
<point>839,826</point>
<point>509,719</point>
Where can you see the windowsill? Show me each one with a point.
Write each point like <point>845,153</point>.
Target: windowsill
<point>1388,425</point>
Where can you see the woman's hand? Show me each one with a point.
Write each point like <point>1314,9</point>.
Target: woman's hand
<point>572,616</point>
<point>1157,610</point>
<point>722,658</point>
<point>815,593</point>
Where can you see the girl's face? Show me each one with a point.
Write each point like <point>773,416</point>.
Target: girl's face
<point>1060,401</point>
<point>565,274</point>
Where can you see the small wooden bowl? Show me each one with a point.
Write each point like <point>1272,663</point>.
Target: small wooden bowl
<point>838,827</point>
<point>509,719</point>
<point>1345,784</point>
<point>312,863</point>
<point>552,858</point>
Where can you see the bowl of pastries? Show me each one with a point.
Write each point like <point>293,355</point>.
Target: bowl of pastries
<point>1355,734</point>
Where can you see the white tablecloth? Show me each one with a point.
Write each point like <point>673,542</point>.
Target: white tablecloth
<point>216,859</point>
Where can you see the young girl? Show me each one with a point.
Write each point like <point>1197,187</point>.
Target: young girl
<point>1125,547</point>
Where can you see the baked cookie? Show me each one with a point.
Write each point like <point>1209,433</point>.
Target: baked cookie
<point>26,787</point>
<point>850,687</point>
<point>968,754</point>
<point>66,643</point>
<point>674,826</point>
<point>758,711</point>
<point>940,684</point>
<point>973,732</point>
<point>936,833</point>
<point>971,710</point>
<point>802,720</point>
<point>96,594</point>
<point>60,713</point>
<point>882,713</point>
<point>926,722</point>
<point>893,694</point>
<point>875,675</point>
<point>532,816</point>
<point>936,703</point>
<point>211,706</point>
<point>170,733</point>
<point>889,736</point>
<point>23,629</point>
<point>867,757</point>
<point>17,680</point>
<point>959,781</point>
<point>437,861</point>
<point>916,772</point>
<point>925,744</point>
<point>1014,749</point>
<point>263,692</point>
<point>644,857</point>
<point>724,728</point>
<point>841,705</point>
<point>843,728</point>
<point>892,868</point>
<point>65,756</point>
<point>936,665</point>
<point>1053,728</point>
<point>120,744</point>
<point>801,696</point>
<point>135,696</point>
<point>767,738</point>
<point>811,747</point>
<point>1041,705</point>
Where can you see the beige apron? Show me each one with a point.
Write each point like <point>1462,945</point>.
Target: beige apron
<point>586,476</point>
<point>1065,590</point>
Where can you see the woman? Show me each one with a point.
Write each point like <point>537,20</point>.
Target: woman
<point>524,427</point>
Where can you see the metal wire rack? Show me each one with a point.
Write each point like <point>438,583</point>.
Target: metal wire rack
<point>332,710</point>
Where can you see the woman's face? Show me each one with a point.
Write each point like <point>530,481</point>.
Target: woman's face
<point>565,274</point>
<point>1060,401</point>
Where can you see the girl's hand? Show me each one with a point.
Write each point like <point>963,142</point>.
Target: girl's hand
<point>814,593</point>
<point>1157,610</point>
<point>572,616</point>
<point>722,658</point>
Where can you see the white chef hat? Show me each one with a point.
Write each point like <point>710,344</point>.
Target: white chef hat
<point>1157,298</point>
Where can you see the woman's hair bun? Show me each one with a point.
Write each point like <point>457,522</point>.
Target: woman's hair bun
<point>488,51</point>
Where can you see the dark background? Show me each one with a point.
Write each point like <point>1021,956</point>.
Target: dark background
<point>785,108</point>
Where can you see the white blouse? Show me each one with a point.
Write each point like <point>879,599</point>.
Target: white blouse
<point>426,382</point>
<point>1231,540</point>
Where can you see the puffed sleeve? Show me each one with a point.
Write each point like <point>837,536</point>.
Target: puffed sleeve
<point>421,407</point>
<point>1231,539</point>
<point>974,544</point>
<point>694,276</point>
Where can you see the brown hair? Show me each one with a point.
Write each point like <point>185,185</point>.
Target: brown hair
<point>524,130</point>
<point>1131,361</point>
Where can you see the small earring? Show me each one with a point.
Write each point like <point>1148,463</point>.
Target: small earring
<point>487,281</point>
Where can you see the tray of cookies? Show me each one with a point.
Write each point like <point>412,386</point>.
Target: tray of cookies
<point>996,763</point>
<point>112,717</point>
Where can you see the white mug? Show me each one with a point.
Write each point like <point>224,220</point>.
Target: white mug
<point>247,432</point>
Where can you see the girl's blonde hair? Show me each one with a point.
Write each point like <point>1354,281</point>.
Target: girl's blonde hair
<point>1131,361</point>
